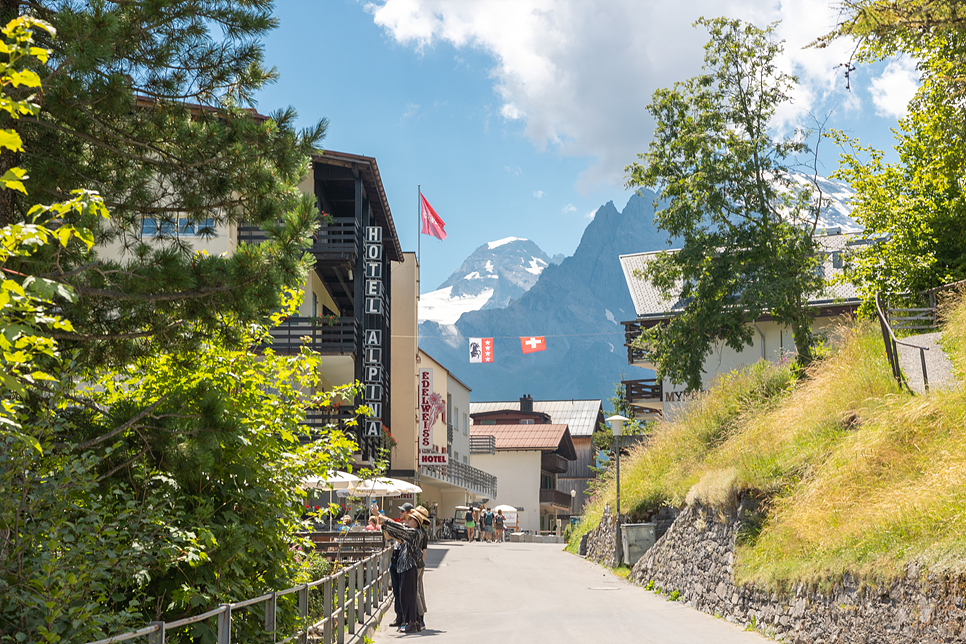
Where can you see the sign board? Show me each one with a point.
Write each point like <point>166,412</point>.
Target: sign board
<point>372,372</point>
<point>433,458</point>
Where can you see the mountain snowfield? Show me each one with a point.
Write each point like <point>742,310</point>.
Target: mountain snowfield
<point>494,275</point>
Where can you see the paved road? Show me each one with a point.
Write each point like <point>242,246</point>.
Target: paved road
<point>536,593</point>
<point>939,369</point>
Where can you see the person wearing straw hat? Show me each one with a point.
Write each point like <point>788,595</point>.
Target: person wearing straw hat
<point>423,515</point>
<point>404,511</point>
<point>410,557</point>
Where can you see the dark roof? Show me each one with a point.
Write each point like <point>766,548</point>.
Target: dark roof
<point>516,437</point>
<point>580,416</point>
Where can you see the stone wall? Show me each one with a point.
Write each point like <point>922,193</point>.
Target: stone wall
<point>695,559</point>
<point>602,541</point>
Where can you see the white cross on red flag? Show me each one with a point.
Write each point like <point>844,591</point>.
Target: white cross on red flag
<point>481,349</point>
<point>531,344</point>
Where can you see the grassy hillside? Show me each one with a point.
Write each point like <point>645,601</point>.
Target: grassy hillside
<point>854,474</point>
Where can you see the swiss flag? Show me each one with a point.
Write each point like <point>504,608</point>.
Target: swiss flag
<point>432,224</point>
<point>529,345</point>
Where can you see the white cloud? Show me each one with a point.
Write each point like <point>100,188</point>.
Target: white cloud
<point>591,214</point>
<point>892,91</point>
<point>516,172</point>
<point>411,110</point>
<point>578,75</point>
<point>569,208</point>
<point>539,194</point>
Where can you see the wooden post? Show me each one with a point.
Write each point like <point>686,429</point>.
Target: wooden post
<point>361,588</point>
<point>350,617</point>
<point>304,612</point>
<point>327,610</point>
<point>224,625</point>
<point>157,637</point>
<point>270,613</point>
<point>340,623</point>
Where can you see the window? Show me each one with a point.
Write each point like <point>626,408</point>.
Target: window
<point>488,422</point>
<point>466,424</point>
<point>466,460</point>
<point>151,227</point>
<point>456,455</point>
<point>526,421</point>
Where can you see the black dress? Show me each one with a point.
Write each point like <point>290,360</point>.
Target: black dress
<point>410,557</point>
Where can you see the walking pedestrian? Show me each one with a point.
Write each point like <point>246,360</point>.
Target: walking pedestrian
<point>477,522</point>
<point>423,514</point>
<point>499,522</point>
<point>470,524</point>
<point>410,556</point>
<point>488,525</point>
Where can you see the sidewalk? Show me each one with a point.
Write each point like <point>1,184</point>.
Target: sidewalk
<point>536,593</point>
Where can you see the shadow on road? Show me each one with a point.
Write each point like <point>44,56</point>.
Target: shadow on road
<point>435,556</point>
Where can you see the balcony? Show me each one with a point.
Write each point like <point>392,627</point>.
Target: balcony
<point>337,243</point>
<point>341,338</point>
<point>556,498</point>
<point>334,244</point>
<point>449,433</point>
<point>462,475</point>
<point>645,393</point>
<point>482,444</point>
<point>636,356</point>
<point>553,463</point>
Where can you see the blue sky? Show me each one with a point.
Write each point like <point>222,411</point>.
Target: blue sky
<point>518,116</point>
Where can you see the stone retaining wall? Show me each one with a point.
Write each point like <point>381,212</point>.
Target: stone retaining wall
<point>601,541</point>
<point>694,558</point>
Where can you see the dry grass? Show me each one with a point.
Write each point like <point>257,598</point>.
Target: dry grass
<point>856,475</point>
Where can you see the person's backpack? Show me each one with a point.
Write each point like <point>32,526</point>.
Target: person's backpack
<point>468,516</point>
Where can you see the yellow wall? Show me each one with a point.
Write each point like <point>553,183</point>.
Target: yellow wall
<point>404,313</point>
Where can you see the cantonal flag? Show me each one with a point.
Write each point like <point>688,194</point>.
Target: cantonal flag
<point>481,349</point>
<point>432,224</point>
<point>531,344</point>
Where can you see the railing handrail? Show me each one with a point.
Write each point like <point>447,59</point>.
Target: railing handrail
<point>892,352</point>
<point>371,573</point>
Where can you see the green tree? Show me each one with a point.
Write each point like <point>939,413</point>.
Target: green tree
<point>150,104</point>
<point>914,210</point>
<point>725,189</point>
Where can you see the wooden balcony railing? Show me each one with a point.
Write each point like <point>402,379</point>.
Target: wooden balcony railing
<point>555,463</point>
<point>645,393</point>
<point>483,444</point>
<point>556,498</point>
<point>335,243</point>
<point>341,338</point>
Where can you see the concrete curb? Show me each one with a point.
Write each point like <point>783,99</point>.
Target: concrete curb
<point>370,625</point>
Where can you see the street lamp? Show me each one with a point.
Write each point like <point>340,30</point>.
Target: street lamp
<point>573,496</point>
<point>617,426</point>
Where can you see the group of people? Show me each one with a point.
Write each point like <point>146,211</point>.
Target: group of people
<point>410,540</point>
<point>483,524</point>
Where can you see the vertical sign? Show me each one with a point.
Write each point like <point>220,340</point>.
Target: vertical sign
<point>372,368</point>
<point>425,409</point>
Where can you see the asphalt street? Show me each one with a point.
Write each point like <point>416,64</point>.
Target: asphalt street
<point>535,593</point>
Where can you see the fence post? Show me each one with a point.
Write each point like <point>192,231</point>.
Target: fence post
<point>327,610</point>
<point>361,588</point>
<point>351,615</point>
<point>368,585</point>
<point>304,612</point>
<point>922,359</point>
<point>270,612</point>
<point>340,623</point>
<point>157,637</point>
<point>224,625</point>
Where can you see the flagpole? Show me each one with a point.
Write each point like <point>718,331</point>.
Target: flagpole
<point>419,219</point>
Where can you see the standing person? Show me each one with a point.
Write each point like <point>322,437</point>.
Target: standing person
<point>476,521</point>
<point>488,525</point>
<point>410,556</point>
<point>423,515</point>
<point>470,524</point>
<point>404,510</point>
<point>499,522</point>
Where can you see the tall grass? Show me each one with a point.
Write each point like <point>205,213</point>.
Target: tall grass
<point>855,476</point>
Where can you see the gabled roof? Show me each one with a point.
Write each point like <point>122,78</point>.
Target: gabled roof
<point>579,415</point>
<point>544,438</point>
<point>649,303</point>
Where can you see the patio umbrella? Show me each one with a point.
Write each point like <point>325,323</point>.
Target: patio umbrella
<point>404,487</point>
<point>372,488</point>
<point>331,481</point>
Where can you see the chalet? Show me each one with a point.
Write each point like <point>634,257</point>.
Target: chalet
<point>527,450</point>
<point>772,341</point>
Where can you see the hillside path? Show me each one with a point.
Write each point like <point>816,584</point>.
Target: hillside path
<point>529,592</point>
<point>939,369</point>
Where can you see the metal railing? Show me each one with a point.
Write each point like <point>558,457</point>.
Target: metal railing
<point>349,596</point>
<point>483,444</point>
<point>464,476</point>
<point>891,346</point>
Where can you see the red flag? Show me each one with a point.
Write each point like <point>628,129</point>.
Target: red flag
<point>432,224</point>
<point>529,345</point>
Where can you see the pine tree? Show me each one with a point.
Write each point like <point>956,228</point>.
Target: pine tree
<point>151,103</point>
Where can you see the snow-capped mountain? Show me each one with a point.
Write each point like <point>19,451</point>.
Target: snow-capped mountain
<point>837,212</point>
<point>494,275</point>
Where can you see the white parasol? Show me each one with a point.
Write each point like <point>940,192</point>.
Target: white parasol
<point>332,481</point>
<point>510,513</point>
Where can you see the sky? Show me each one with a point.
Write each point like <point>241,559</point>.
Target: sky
<point>518,117</point>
